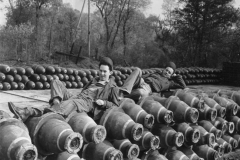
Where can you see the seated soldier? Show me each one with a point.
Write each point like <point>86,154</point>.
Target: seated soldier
<point>98,95</point>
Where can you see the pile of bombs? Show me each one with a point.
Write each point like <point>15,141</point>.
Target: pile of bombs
<point>39,77</point>
<point>191,75</point>
<point>188,125</point>
<point>199,75</point>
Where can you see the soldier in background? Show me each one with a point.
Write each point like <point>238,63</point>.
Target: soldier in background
<point>158,82</point>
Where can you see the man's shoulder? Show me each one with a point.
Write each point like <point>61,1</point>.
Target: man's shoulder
<point>112,82</point>
<point>155,74</point>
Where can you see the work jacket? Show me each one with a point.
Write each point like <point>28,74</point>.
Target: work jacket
<point>110,95</point>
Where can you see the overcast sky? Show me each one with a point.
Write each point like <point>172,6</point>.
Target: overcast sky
<point>155,8</point>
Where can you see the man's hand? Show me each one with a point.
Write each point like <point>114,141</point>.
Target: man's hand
<point>174,76</point>
<point>100,102</point>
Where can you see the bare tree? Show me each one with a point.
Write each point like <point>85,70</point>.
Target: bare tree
<point>112,14</point>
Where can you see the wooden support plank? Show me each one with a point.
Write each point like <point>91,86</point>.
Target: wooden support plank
<point>36,95</point>
<point>66,54</point>
<point>71,51</point>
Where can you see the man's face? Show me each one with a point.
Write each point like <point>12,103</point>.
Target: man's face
<point>168,72</point>
<point>104,73</point>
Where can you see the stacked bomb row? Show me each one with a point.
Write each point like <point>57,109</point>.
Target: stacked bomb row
<point>59,139</point>
<point>40,77</point>
<point>119,126</point>
<point>153,126</point>
<point>200,123</point>
<point>52,135</point>
<point>186,126</point>
<point>43,135</point>
<point>191,75</point>
<point>126,137</point>
<point>222,117</point>
<point>199,75</point>
<point>203,125</point>
<point>191,120</point>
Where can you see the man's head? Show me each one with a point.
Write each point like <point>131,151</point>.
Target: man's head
<point>169,70</point>
<point>105,68</point>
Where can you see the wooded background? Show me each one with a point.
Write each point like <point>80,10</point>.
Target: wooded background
<point>201,33</point>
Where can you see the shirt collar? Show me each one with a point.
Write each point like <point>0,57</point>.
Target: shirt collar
<point>103,82</point>
<point>111,81</point>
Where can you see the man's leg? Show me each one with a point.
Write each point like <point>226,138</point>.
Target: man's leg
<point>143,91</point>
<point>133,81</point>
<point>72,105</point>
<point>24,113</point>
<point>65,109</point>
<point>58,92</point>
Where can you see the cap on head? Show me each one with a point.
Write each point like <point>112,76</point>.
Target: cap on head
<point>172,65</point>
<point>106,61</point>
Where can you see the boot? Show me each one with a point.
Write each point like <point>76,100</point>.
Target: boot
<point>23,113</point>
<point>122,92</point>
<point>135,95</point>
<point>56,101</point>
<point>56,108</point>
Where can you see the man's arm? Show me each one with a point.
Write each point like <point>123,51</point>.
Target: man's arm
<point>113,99</point>
<point>177,82</point>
